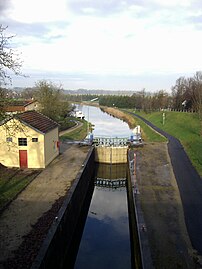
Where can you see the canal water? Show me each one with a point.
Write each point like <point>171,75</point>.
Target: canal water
<point>105,124</point>
<point>105,242</point>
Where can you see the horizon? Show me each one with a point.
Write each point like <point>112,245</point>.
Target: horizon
<point>118,44</point>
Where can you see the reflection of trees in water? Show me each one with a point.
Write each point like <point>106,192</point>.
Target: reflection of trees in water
<point>111,171</point>
<point>110,175</point>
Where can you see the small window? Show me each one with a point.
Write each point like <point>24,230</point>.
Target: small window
<point>34,139</point>
<point>22,141</point>
<point>9,139</point>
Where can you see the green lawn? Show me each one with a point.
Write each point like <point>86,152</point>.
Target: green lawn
<point>12,181</point>
<point>77,134</point>
<point>185,127</point>
<point>148,134</point>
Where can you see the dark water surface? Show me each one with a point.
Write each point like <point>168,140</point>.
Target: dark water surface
<point>105,242</point>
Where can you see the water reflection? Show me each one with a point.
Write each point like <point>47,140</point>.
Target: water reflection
<point>103,205</point>
<point>111,171</point>
<point>106,240</point>
<point>105,125</point>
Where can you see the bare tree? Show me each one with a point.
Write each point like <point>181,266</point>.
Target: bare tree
<point>9,62</point>
<point>9,59</point>
<point>28,93</point>
<point>189,91</point>
<point>178,92</point>
<point>197,96</point>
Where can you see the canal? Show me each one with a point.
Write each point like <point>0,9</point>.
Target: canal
<point>105,124</point>
<point>105,242</point>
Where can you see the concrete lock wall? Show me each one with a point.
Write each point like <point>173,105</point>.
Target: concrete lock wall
<point>111,154</point>
<point>56,249</point>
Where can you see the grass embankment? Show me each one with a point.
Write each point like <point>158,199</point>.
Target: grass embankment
<point>185,127</point>
<point>13,181</point>
<point>148,134</point>
<point>77,134</point>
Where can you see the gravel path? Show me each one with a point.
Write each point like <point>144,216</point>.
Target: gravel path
<point>190,187</point>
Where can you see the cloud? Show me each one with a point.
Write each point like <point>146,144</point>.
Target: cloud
<point>107,41</point>
<point>37,11</point>
<point>105,7</point>
<point>195,20</point>
<point>30,33</point>
<point>4,5</point>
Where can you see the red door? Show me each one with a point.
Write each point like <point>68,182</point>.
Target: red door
<point>23,158</point>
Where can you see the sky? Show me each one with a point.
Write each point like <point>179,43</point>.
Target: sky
<point>105,44</point>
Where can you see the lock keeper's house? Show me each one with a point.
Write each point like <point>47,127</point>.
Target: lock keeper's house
<point>28,140</point>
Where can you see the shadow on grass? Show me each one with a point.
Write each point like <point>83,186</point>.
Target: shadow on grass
<point>13,185</point>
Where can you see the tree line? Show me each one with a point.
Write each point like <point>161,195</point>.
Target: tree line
<point>185,95</point>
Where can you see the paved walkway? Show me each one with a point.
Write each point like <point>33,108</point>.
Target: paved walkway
<point>190,186</point>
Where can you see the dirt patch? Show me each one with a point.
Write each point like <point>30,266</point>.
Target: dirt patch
<point>162,208</point>
<point>21,216</point>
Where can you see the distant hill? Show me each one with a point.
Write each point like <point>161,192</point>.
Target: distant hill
<point>98,92</point>
<point>18,89</point>
<point>85,91</point>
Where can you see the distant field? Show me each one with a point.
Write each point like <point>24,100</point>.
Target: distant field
<point>185,127</point>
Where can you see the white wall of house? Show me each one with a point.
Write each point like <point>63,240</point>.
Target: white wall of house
<point>51,149</point>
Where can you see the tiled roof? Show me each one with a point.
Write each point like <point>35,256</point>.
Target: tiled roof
<point>37,121</point>
<point>16,105</point>
<point>21,103</point>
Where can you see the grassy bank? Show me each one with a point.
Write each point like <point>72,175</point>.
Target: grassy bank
<point>77,134</point>
<point>148,134</point>
<point>13,181</point>
<point>185,127</point>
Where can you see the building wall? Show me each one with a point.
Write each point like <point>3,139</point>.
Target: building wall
<point>51,145</point>
<point>33,106</point>
<point>9,151</point>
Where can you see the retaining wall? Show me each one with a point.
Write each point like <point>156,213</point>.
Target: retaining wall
<point>57,247</point>
<point>136,251</point>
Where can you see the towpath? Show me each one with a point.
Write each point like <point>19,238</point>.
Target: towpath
<point>189,184</point>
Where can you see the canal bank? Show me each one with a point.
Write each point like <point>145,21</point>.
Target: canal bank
<point>24,224</point>
<point>59,246</point>
<point>163,224</point>
<point>149,167</point>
